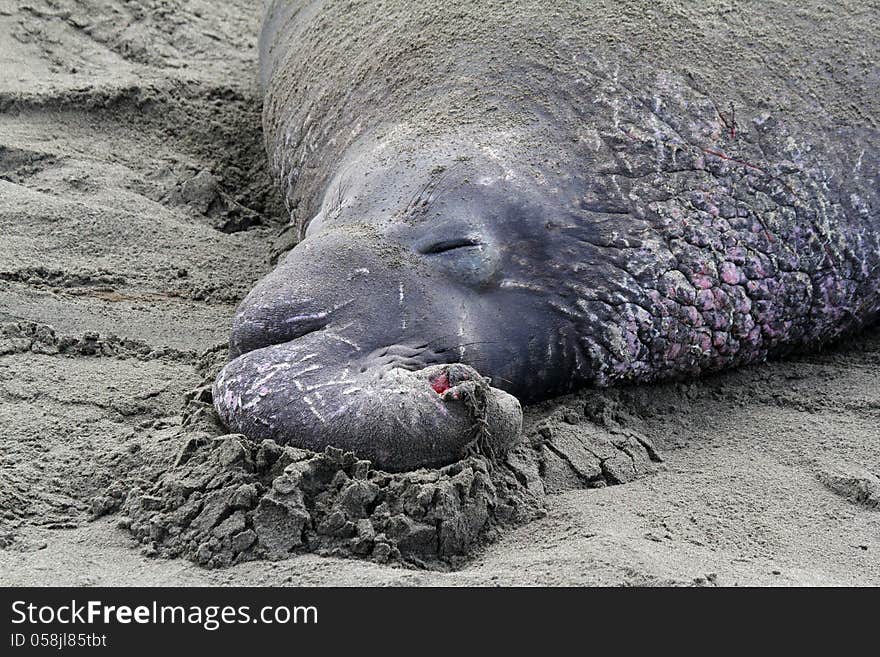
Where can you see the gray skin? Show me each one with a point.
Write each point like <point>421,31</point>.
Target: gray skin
<point>552,198</point>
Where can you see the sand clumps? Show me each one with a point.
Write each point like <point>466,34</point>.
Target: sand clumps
<point>233,500</point>
<point>227,498</point>
<point>39,338</point>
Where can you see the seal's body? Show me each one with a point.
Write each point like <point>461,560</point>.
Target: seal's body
<point>552,197</point>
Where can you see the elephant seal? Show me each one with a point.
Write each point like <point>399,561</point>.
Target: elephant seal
<point>549,196</point>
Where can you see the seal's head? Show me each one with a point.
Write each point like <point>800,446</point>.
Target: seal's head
<point>412,262</point>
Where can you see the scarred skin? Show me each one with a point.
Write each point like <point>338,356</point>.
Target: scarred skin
<point>536,214</point>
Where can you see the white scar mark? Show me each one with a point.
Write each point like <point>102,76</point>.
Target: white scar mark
<point>310,368</point>
<point>351,390</point>
<point>276,369</point>
<point>251,404</point>
<point>562,309</point>
<point>510,283</point>
<point>326,384</point>
<point>577,359</point>
<point>345,327</point>
<point>361,271</point>
<point>400,304</point>
<point>342,380</point>
<point>314,410</point>
<point>339,411</point>
<point>460,344</point>
<point>614,181</point>
<point>301,318</point>
<point>342,338</point>
<point>279,368</point>
<point>858,166</point>
<point>321,315</point>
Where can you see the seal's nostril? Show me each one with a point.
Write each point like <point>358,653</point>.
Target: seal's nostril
<point>254,335</point>
<point>259,327</point>
<point>263,325</point>
<point>300,325</point>
<point>447,245</point>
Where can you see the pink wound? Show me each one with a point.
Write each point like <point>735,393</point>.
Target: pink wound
<point>440,383</point>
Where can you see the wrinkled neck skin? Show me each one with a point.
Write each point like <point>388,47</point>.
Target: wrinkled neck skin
<point>420,254</point>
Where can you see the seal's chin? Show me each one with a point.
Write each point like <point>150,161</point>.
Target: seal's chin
<point>308,393</point>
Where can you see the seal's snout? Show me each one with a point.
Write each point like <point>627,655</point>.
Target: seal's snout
<point>309,291</point>
<point>403,420</point>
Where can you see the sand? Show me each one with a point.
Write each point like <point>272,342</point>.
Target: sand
<point>136,210</point>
